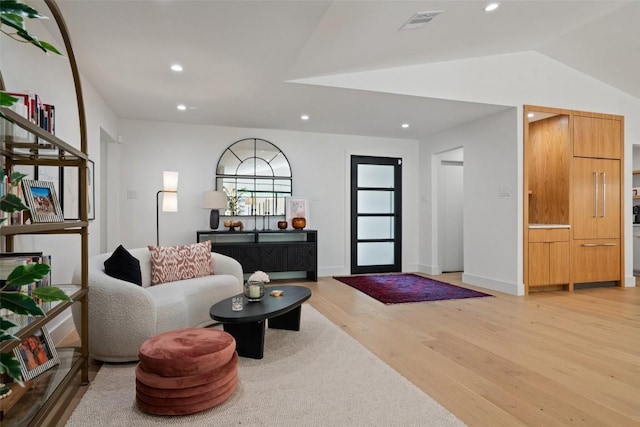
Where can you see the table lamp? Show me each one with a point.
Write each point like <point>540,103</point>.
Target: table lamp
<point>214,200</point>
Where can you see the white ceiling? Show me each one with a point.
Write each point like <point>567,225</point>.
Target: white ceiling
<point>238,56</point>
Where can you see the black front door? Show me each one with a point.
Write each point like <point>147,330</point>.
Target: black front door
<point>376,217</point>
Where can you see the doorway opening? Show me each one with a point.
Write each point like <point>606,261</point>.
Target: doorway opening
<point>450,210</point>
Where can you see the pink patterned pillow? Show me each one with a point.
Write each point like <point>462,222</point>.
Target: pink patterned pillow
<point>171,263</point>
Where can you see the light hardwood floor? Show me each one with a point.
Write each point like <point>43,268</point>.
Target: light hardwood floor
<point>547,359</point>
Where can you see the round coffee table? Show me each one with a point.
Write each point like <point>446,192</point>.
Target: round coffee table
<point>248,326</point>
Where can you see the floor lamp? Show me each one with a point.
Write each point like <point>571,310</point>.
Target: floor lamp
<point>169,199</point>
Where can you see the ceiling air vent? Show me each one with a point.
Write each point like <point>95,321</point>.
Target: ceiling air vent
<point>419,19</point>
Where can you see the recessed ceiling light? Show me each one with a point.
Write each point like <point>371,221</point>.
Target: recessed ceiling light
<point>304,117</point>
<point>530,115</point>
<point>405,125</point>
<point>491,7</point>
<point>182,107</point>
<point>176,67</point>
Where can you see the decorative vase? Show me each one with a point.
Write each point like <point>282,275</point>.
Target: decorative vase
<point>253,290</point>
<point>298,223</point>
<point>282,225</point>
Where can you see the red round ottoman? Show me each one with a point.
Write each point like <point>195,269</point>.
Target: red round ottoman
<point>186,371</point>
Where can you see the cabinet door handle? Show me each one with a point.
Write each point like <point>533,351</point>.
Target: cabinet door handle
<point>595,194</point>
<point>593,245</point>
<point>604,194</point>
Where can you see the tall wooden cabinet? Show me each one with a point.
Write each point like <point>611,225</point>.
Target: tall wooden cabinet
<point>42,402</point>
<point>573,214</point>
<point>596,198</point>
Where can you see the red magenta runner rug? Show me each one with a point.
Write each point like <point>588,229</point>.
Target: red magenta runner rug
<point>399,288</point>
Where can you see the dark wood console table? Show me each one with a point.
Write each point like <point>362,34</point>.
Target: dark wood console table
<point>268,250</point>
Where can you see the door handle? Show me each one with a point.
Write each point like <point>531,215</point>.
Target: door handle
<point>593,245</point>
<point>595,194</point>
<point>604,194</point>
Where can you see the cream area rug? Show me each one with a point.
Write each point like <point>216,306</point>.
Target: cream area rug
<point>318,376</point>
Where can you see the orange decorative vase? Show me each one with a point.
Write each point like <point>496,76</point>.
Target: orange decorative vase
<point>298,223</point>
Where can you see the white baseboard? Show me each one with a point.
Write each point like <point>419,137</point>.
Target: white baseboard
<point>496,285</point>
<point>630,281</point>
<point>432,270</point>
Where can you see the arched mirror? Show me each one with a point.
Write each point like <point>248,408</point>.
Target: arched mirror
<point>256,177</point>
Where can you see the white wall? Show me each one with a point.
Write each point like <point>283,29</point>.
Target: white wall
<point>490,219</point>
<point>320,168</point>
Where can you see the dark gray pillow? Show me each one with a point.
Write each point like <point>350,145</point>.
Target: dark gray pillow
<point>124,266</point>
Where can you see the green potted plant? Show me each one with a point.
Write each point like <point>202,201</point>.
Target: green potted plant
<point>13,14</point>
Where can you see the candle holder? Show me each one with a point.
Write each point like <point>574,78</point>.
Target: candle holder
<point>253,290</point>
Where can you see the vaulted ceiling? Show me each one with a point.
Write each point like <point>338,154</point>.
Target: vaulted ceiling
<point>239,57</point>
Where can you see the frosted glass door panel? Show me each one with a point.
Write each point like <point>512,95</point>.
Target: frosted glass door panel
<point>376,202</point>
<point>375,253</point>
<point>375,228</point>
<point>375,176</point>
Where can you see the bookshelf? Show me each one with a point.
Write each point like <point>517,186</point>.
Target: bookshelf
<point>42,400</point>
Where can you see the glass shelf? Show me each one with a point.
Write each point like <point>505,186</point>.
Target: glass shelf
<point>28,325</point>
<point>27,409</point>
<point>21,139</point>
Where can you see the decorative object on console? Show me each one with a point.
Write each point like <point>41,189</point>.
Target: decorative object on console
<point>214,200</point>
<point>282,225</point>
<point>297,207</point>
<point>298,223</point>
<point>232,225</point>
<point>169,198</point>
<point>254,286</point>
<point>173,263</point>
<point>42,201</point>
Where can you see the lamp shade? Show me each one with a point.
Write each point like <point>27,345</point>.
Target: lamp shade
<point>214,200</point>
<point>169,181</point>
<point>170,202</point>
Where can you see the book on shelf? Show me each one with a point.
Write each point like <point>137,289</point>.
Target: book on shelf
<point>31,107</point>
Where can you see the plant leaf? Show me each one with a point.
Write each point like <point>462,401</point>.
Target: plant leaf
<point>50,293</point>
<point>12,203</point>
<point>11,366</point>
<point>8,337</point>
<point>6,324</point>
<point>7,100</point>
<point>28,273</point>
<point>15,7</point>
<point>16,177</point>
<point>12,14</point>
<point>19,303</point>
<point>12,20</point>
<point>49,47</point>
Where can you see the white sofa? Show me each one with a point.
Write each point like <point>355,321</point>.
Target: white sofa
<point>122,315</point>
